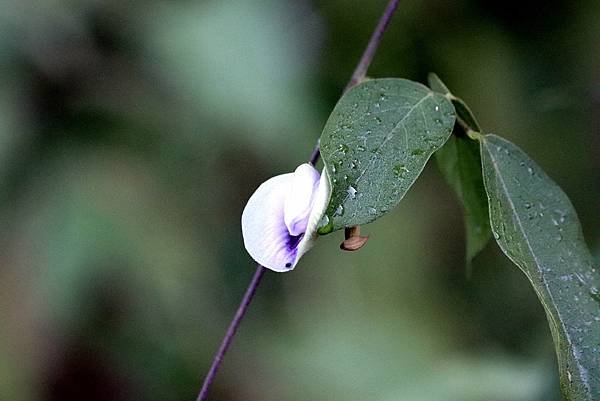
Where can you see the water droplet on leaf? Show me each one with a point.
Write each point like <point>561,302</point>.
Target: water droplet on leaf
<point>343,148</point>
<point>595,294</point>
<point>400,170</point>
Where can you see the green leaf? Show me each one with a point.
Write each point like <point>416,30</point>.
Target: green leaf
<point>463,113</point>
<point>376,143</point>
<point>537,228</point>
<point>459,161</point>
<point>436,84</point>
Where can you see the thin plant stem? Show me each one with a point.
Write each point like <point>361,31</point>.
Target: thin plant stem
<point>360,72</point>
<point>357,76</point>
<point>231,330</point>
<point>365,61</point>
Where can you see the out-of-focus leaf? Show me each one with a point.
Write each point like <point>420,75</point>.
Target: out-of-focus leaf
<point>459,161</point>
<point>376,143</point>
<point>463,112</point>
<point>537,228</point>
<point>240,65</point>
<point>436,84</point>
<point>11,126</point>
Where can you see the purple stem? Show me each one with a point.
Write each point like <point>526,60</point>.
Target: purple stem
<point>233,326</point>
<point>357,76</point>
<point>363,65</point>
<point>365,60</point>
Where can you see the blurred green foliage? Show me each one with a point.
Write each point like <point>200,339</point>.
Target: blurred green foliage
<point>132,133</point>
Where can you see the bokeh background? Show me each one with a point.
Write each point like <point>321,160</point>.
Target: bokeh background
<point>133,132</point>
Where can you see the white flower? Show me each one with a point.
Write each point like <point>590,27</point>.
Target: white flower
<point>279,222</point>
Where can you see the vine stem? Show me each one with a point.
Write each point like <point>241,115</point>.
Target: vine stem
<point>357,76</point>
<point>360,72</point>
<point>233,326</point>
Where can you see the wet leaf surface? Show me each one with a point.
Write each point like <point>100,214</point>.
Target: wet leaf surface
<point>536,226</point>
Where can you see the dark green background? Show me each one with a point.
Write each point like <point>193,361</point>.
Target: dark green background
<point>132,134</point>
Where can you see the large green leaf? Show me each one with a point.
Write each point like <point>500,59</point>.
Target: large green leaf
<point>537,228</point>
<point>459,161</point>
<point>376,143</point>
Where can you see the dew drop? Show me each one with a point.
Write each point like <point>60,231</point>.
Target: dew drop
<point>595,294</point>
<point>400,170</point>
<point>372,210</point>
<point>496,235</point>
<point>343,148</point>
<point>339,211</point>
<point>530,170</point>
<point>437,108</point>
<point>527,205</point>
<point>351,192</point>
